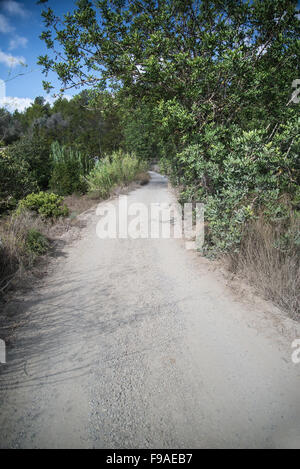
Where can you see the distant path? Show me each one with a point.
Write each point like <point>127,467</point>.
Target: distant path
<point>138,343</point>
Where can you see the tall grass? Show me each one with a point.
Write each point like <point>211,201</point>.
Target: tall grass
<point>62,154</point>
<point>116,169</point>
<point>269,258</point>
<point>16,255</point>
<point>69,166</point>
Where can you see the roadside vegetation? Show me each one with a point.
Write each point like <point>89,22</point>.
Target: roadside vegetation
<point>205,87</point>
<point>114,170</point>
<point>55,162</point>
<point>24,237</point>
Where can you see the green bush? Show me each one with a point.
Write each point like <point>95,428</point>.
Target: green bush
<point>239,175</point>
<point>66,179</point>
<point>36,242</point>
<point>35,150</point>
<point>119,168</point>
<point>69,167</point>
<point>16,180</point>
<point>48,205</point>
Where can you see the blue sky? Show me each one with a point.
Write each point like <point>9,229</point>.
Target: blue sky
<point>20,27</point>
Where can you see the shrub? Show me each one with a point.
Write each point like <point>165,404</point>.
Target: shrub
<point>119,168</point>
<point>69,167</point>
<point>36,242</point>
<point>35,150</point>
<point>238,176</point>
<point>249,184</point>
<point>48,205</point>
<point>16,180</point>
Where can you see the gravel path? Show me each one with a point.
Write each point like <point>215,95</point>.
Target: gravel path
<point>139,343</point>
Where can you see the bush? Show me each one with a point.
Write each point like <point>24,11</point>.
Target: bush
<point>16,180</point>
<point>48,205</point>
<point>238,175</point>
<point>249,184</point>
<point>35,150</point>
<point>69,167</point>
<point>119,168</point>
<point>36,242</point>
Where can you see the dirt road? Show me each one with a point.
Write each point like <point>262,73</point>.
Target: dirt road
<point>139,343</point>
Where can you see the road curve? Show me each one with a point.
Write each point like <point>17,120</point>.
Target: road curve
<point>138,343</point>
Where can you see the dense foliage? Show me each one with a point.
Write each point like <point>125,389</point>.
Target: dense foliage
<point>118,168</point>
<point>54,147</point>
<point>46,204</point>
<point>36,242</point>
<point>69,166</point>
<point>16,180</point>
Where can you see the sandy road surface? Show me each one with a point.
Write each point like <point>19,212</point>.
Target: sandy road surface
<point>138,343</point>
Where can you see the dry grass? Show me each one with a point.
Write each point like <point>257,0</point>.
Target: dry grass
<point>15,258</point>
<point>80,203</point>
<point>270,260</point>
<point>18,264</point>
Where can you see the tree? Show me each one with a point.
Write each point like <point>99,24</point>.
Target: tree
<point>16,180</point>
<point>201,52</point>
<point>34,150</point>
<point>10,126</point>
<point>194,63</point>
<point>39,109</point>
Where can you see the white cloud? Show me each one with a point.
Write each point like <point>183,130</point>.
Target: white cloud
<point>17,41</point>
<point>20,104</point>
<point>5,27</point>
<point>14,8</point>
<point>11,60</point>
<point>13,103</point>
